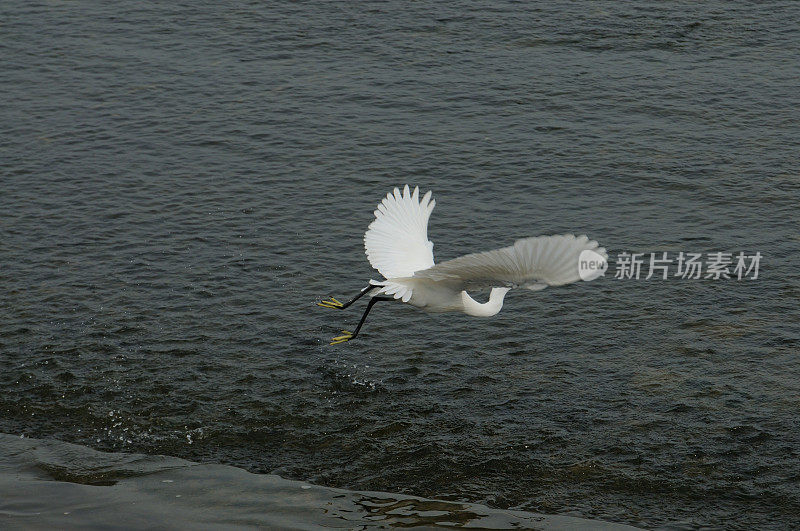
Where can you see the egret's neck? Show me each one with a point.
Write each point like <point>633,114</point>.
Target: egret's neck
<point>488,309</point>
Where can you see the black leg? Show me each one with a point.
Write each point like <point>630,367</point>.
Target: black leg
<point>372,302</point>
<point>347,335</point>
<point>333,303</point>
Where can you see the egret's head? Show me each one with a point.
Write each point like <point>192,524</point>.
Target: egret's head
<point>499,292</point>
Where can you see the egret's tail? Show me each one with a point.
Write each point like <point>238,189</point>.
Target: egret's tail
<point>398,288</point>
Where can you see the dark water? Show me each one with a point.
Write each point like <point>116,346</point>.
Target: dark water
<point>55,485</point>
<point>180,185</point>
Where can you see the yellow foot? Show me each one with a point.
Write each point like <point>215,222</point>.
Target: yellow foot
<point>346,336</point>
<point>332,303</point>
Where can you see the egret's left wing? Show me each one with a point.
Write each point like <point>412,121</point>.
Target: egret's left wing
<point>532,263</point>
<point>397,242</point>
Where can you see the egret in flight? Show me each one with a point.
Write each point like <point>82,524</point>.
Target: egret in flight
<point>397,245</point>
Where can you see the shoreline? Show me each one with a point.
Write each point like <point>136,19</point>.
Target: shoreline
<point>47,484</point>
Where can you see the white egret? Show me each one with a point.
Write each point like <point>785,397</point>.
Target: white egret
<point>397,245</point>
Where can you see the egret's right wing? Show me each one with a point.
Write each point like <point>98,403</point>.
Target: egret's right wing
<point>396,242</point>
<point>532,263</point>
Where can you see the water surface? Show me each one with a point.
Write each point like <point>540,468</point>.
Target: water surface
<point>180,185</point>
<point>56,485</point>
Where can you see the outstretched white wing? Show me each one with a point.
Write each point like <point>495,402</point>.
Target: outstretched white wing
<point>532,263</point>
<point>396,242</point>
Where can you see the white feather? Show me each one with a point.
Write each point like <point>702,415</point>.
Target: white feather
<point>532,263</point>
<point>397,245</point>
<point>396,242</point>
